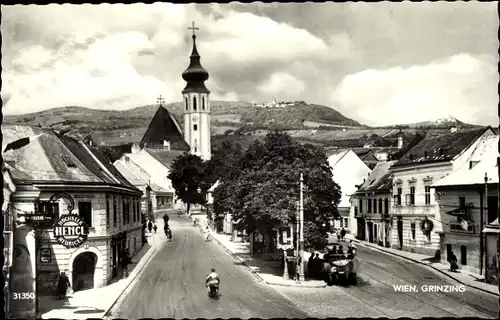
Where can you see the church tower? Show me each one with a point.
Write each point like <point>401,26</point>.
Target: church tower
<point>196,105</point>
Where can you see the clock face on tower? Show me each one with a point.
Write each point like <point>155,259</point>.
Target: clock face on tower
<point>195,119</point>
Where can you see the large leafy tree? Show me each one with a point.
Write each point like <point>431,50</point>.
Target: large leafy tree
<point>188,175</point>
<point>262,188</point>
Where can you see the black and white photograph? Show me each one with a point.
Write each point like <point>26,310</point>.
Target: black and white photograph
<point>251,160</point>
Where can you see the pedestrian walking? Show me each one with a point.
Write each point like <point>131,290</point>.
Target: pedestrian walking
<point>155,228</point>
<point>62,285</point>
<point>150,226</point>
<point>310,267</point>
<point>342,234</point>
<point>453,262</point>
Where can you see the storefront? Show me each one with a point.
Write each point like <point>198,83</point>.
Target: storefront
<point>117,246</point>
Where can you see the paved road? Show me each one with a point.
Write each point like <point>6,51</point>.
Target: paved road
<point>172,285</point>
<point>374,296</point>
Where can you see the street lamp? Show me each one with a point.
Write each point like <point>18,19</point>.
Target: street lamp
<point>301,241</point>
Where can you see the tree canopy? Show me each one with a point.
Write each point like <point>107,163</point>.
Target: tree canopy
<point>188,175</point>
<point>260,188</point>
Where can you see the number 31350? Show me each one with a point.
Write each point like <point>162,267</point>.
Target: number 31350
<point>24,295</point>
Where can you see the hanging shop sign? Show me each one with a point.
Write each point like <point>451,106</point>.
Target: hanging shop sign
<point>71,231</point>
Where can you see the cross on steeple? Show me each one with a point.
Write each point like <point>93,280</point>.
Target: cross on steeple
<point>193,28</point>
<point>160,100</point>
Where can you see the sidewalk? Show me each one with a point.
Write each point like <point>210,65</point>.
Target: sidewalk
<point>95,303</point>
<point>463,277</point>
<point>270,272</point>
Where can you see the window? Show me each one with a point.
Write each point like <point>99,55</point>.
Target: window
<point>85,212</point>
<point>379,205</point>
<point>194,104</point>
<point>115,215</point>
<point>138,210</point>
<point>355,211</point>
<point>397,198</point>
<point>492,208</point>
<point>202,103</point>
<point>463,255</point>
<point>135,243</point>
<point>107,211</point>
<point>133,210</point>
<point>346,223</point>
<point>386,206</point>
<point>410,198</point>
<point>369,203</point>
<point>124,217</point>
<point>427,194</point>
<point>413,230</point>
<point>341,222</point>
<point>49,208</point>
<point>186,103</point>
<point>195,127</point>
<point>461,202</point>
<point>361,206</point>
<point>374,205</point>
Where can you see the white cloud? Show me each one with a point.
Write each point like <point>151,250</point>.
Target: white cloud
<point>421,93</point>
<point>280,84</point>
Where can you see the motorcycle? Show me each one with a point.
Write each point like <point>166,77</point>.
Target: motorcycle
<point>213,290</point>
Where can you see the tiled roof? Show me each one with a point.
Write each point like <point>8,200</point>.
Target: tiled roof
<point>441,148</point>
<point>56,158</point>
<point>380,178</point>
<point>165,157</point>
<point>484,159</point>
<point>128,174</point>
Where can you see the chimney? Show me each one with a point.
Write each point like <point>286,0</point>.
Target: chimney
<point>453,129</point>
<point>136,148</point>
<point>400,142</point>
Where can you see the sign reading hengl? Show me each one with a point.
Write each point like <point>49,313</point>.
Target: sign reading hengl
<point>71,231</point>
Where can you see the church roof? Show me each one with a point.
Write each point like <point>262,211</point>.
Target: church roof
<point>162,127</point>
<point>195,75</point>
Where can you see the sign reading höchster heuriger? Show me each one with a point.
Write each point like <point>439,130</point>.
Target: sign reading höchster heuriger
<point>71,231</point>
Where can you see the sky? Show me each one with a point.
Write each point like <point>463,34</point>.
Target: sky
<point>378,63</point>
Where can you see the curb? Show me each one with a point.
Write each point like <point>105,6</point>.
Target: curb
<point>424,264</point>
<point>234,255</point>
<point>147,257</point>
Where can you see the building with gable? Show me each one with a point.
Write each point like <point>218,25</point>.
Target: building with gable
<point>372,205</point>
<point>348,170</point>
<point>468,201</point>
<point>414,199</point>
<point>164,140</point>
<point>67,177</point>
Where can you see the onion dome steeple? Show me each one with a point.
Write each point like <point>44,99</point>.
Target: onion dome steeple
<point>195,75</point>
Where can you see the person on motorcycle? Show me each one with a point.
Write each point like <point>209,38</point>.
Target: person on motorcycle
<point>351,249</point>
<point>212,279</point>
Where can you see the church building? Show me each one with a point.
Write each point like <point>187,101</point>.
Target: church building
<point>164,139</point>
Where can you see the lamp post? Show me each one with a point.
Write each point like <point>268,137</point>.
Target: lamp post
<point>297,266</point>
<point>301,256</point>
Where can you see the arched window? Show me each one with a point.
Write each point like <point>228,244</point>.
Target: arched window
<point>194,103</point>
<point>202,103</point>
<point>187,104</point>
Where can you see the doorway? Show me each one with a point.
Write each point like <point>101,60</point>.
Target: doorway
<point>448,251</point>
<point>83,271</point>
<point>400,233</point>
<point>370,232</point>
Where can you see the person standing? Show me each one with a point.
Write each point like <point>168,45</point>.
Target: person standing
<point>62,285</point>
<point>342,234</point>
<point>155,228</point>
<point>150,226</point>
<point>125,261</point>
<point>311,267</point>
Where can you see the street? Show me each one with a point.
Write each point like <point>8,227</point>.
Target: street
<point>374,296</point>
<point>173,284</point>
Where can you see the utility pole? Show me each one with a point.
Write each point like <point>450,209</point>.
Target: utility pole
<point>297,266</point>
<point>301,256</point>
<point>484,209</point>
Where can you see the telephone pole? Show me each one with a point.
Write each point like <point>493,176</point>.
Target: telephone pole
<point>301,256</point>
